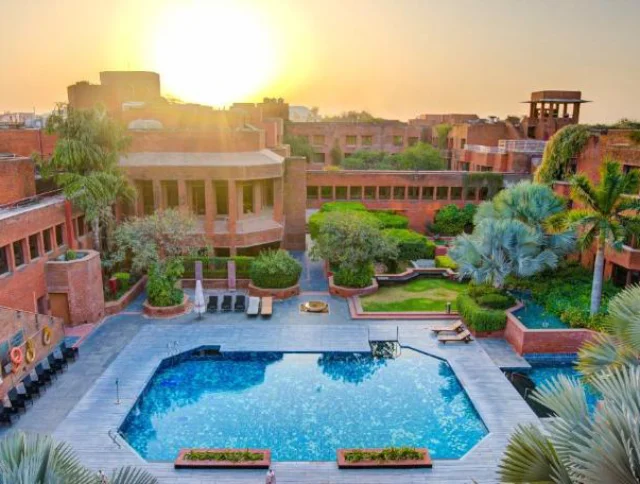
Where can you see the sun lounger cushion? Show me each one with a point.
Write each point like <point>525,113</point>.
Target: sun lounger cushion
<point>267,306</point>
<point>464,336</point>
<point>457,327</point>
<point>254,306</point>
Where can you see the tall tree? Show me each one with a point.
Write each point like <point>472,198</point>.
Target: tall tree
<point>609,216</point>
<point>85,163</point>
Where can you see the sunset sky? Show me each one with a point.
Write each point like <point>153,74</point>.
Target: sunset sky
<point>395,58</point>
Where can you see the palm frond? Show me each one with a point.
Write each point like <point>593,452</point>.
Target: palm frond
<point>131,475</point>
<point>603,354</point>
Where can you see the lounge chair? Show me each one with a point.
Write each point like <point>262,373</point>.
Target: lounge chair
<point>30,386</point>
<point>69,352</point>
<point>456,327</point>
<point>212,304</point>
<point>227,303</point>
<point>464,336</point>
<point>60,359</point>
<point>44,374</point>
<point>7,414</point>
<point>241,304</point>
<point>17,400</point>
<point>254,306</point>
<point>266,307</point>
<point>54,364</point>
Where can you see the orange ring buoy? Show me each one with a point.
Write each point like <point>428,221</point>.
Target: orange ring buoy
<point>16,357</point>
<point>30,353</point>
<point>46,335</point>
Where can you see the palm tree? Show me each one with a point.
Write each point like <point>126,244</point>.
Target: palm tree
<point>85,163</point>
<point>38,459</point>
<point>609,216</point>
<point>579,446</point>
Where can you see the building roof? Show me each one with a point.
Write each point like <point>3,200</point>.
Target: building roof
<point>29,204</point>
<point>247,158</point>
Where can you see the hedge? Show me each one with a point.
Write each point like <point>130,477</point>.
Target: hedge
<point>479,318</point>
<point>341,206</point>
<point>390,220</point>
<point>216,267</point>
<point>412,245</point>
<point>358,278</point>
<point>446,262</point>
<point>496,301</point>
<point>275,269</point>
<point>384,219</point>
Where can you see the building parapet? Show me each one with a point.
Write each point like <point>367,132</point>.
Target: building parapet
<point>510,146</point>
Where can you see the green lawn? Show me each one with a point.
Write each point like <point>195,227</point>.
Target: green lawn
<point>424,294</point>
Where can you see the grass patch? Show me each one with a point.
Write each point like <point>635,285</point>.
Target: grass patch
<point>423,294</point>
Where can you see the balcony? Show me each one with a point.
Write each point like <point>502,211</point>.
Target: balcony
<point>250,230</point>
<point>510,146</point>
<point>628,257</point>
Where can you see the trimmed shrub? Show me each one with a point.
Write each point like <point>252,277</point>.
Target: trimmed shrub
<point>216,267</point>
<point>339,206</point>
<point>275,269</point>
<point>70,255</point>
<point>496,301</point>
<point>161,285</point>
<point>446,262</point>
<point>411,245</point>
<point>479,318</point>
<point>124,280</point>
<point>452,220</point>
<point>354,278</point>
<point>390,220</point>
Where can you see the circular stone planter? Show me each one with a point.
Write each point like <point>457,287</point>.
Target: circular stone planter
<point>167,311</point>
<point>342,291</point>
<point>283,293</point>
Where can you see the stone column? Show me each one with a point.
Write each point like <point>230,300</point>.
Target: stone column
<point>576,112</point>
<point>233,207</point>
<point>183,204</point>
<point>278,200</point>
<point>257,196</point>
<point>209,208</point>
<point>158,202</point>
<point>68,219</point>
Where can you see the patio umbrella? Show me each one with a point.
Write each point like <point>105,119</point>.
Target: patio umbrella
<point>200,306</point>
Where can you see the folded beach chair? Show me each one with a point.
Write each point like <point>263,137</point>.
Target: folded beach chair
<point>69,352</point>
<point>241,304</point>
<point>44,374</point>
<point>266,308</point>
<point>227,303</point>
<point>212,305</point>
<point>464,336</point>
<point>7,414</point>
<point>254,306</point>
<point>18,400</point>
<point>456,327</point>
<point>30,387</point>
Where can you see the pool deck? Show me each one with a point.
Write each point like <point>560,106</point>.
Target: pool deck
<point>503,355</point>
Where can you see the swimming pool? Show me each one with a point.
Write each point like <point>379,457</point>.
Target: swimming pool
<point>303,406</point>
<point>534,316</point>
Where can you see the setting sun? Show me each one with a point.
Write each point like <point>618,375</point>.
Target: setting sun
<point>213,54</point>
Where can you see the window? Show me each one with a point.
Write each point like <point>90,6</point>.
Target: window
<point>456,193</point>
<point>442,193</point>
<point>196,197</point>
<point>34,251</point>
<point>312,193</point>
<point>355,193</point>
<point>18,253</point>
<point>398,140</point>
<point>145,190</point>
<point>4,259</point>
<point>170,193</point>
<point>413,140</point>
<point>398,193</point>
<point>471,194</point>
<point>318,139</point>
<point>326,193</point>
<point>464,166</point>
<point>486,168</point>
<point>341,193</point>
<point>427,193</point>
<point>484,193</point>
<point>46,237</point>
<point>222,197</point>
<point>384,193</point>
<point>370,193</point>
<point>59,235</point>
<point>414,193</point>
<point>247,198</point>
<point>319,158</point>
<point>352,140</point>
<point>367,140</point>
<point>463,141</point>
<point>81,226</point>
<point>43,307</point>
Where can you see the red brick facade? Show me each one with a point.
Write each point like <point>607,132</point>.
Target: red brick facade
<point>17,179</point>
<point>25,142</point>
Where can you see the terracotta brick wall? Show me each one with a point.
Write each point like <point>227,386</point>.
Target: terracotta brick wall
<point>17,179</point>
<point>295,202</point>
<point>25,142</point>
<point>215,141</point>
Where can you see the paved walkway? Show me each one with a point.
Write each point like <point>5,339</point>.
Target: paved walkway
<point>503,354</point>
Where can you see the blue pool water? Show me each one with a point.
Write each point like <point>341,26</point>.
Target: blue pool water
<point>303,406</point>
<point>542,374</point>
<point>534,316</point>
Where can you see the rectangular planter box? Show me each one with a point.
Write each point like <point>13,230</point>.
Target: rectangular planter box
<point>182,463</point>
<point>374,464</point>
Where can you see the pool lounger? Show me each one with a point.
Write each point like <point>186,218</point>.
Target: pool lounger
<point>457,327</point>
<point>254,306</point>
<point>227,303</point>
<point>212,304</point>
<point>266,308</point>
<point>464,336</point>
<point>241,304</point>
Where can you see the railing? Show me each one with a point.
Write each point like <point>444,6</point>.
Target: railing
<point>483,149</point>
<point>510,146</point>
<point>30,200</point>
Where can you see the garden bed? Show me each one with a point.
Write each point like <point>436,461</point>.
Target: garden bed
<point>283,293</point>
<point>114,307</point>
<point>418,295</point>
<point>342,291</point>
<point>167,311</point>
<point>383,458</point>
<point>223,459</point>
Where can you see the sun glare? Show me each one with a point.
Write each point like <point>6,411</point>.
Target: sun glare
<point>214,54</point>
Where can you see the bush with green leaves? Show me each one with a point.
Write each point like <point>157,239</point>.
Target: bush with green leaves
<point>446,262</point>
<point>390,220</point>
<point>452,220</point>
<point>300,146</point>
<point>275,269</point>
<point>217,267</point>
<point>420,156</point>
<point>496,301</point>
<point>382,218</point>
<point>124,280</point>
<point>340,206</point>
<point>357,278</point>
<point>480,318</point>
<point>161,284</point>
<point>411,245</point>
<point>563,146</point>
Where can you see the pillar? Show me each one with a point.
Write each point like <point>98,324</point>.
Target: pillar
<point>158,203</point>
<point>183,204</point>
<point>257,196</point>
<point>576,112</point>
<point>209,208</point>
<point>233,207</point>
<point>278,200</point>
<point>564,110</point>
<point>68,222</point>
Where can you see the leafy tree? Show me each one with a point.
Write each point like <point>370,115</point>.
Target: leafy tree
<point>453,220</point>
<point>369,160</point>
<point>353,116</point>
<point>38,459</point>
<point>578,446</point>
<point>161,285</point>
<point>153,238</point>
<point>85,163</point>
<point>275,269</point>
<point>336,154</point>
<point>563,146</point>
<point>510,236</point>
<point>420,156</point>
<point>442,131</point>
<point>300,146</point>
<point>609,216</point>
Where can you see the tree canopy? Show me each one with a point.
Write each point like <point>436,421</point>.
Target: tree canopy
<point>420,156</point>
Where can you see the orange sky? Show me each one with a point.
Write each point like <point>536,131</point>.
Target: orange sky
<point>395,58</point>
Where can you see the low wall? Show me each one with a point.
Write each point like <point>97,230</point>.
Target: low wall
<point>168,311</point>
<point>525,340</point>
<point>221,284</point>
<point>413,272</point>
<point>283,293</point>
<point>352,291</point>
<point>114,307</point>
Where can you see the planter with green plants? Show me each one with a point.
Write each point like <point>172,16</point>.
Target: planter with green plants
<point>223,459</point>
<point>164,297</point>
<point>390,457</point>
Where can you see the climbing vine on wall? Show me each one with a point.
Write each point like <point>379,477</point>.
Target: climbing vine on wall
<point>563,146</point>
<point>442,131</point>
<point>494,182</point>
<point>634,136</point>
